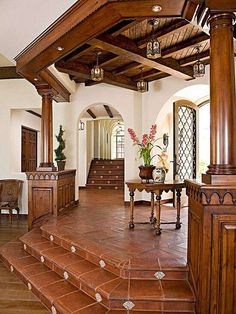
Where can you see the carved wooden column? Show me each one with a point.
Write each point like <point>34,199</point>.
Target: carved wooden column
<point>46,129</point>
<point>222,95</point>
<point>49,191</point>
<point>212,204</point>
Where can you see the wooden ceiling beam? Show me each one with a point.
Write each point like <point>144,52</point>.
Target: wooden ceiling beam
<point>164,32</point>
<point>125,68</point>
<point>9,72</point>
<point>192,59</point>
<point>219,5</point>
<point>123,46</point>
<point>185,44</point>
<point>158,77</point>
<point>89,111</point>
<point>83,71</point>
<point>108,61</point>
<point>108,110</point>
<point>146,75</point>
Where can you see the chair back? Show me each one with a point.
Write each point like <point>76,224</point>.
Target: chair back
<point>10,190</point>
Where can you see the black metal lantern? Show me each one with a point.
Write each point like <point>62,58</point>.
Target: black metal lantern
<point>199,66</point>
<point>142,85</point>
<point>97,73</point>
<point>153,46</point>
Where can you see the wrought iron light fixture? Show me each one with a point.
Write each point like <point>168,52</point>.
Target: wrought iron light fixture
<point>142,85</point>
<point>97,73</point>
<point>153,46</point>
<point>199,66</point>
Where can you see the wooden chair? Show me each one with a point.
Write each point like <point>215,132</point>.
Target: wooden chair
<point>10,191</point>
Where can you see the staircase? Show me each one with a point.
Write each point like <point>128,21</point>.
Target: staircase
<point>106,174</point>
<point>71,275</point>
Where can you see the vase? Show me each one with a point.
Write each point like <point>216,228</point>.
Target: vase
<point>145,173</point>
<point>61,165</point>
<point>159,175</point>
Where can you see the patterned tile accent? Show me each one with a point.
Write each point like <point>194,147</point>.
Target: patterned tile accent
<point>159,275</point>
<point>128,305</point>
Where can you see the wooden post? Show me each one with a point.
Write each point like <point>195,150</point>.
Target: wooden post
<point>46,129</point>
<point>212,204</point>
<point>223,104</point>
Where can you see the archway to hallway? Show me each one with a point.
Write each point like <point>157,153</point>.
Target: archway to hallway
<point>101,148</point>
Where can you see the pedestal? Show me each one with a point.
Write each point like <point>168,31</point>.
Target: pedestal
<point>212,246</point>
<point>49,193</point>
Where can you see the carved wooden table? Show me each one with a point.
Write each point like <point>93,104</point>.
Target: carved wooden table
<point>156,189</point>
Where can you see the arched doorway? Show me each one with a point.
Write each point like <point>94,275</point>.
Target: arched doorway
<point>101,148</point>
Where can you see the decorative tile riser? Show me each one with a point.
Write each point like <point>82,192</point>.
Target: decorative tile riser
<point>115,172</point>
<point>107,167</point>
<point>120,270</point>
<point>102,187</point>
<point>109,161</point>
<point>105,181</point>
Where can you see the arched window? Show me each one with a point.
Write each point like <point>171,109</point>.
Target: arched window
<point>119,141</point>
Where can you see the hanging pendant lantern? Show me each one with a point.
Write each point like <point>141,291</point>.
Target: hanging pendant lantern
<point>97,73</point>
<point>142,85</point>
<point>199,66</point>
<point>153,46</point>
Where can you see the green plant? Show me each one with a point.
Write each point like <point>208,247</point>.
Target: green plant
<point>59,151</point>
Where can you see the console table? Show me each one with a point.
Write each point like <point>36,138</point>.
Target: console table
<point>156,189</point>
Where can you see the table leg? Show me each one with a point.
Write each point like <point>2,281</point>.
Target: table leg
<point>178,203</point>
<point>158,213</point>
<point>131,223</point>
<point>152,218</point>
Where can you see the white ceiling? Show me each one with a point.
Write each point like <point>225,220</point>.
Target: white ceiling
<point>21,21</point>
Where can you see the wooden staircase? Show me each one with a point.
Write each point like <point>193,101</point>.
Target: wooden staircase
<point>106,174</point>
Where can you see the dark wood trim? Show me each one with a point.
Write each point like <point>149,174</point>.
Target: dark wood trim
<point>34,113</point>
<point>89,111</point>
<point>148,203</point>
<point>108,110</point>
<point>9,72</point>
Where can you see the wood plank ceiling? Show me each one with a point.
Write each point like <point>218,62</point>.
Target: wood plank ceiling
<point>123,53</point>
<point>119,29</point>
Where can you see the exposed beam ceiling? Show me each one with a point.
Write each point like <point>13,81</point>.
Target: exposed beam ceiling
<point>123,46</point>
<point>125,68</point>
<point>89,111</point>
<point>83,71</point>
<point>108,110</point>
<point>192,59</point>
<point>183,45</point>
<point>9,72</point>
<point>177,25</point>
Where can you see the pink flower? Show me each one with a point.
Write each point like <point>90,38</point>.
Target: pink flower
<point>145,139</point>
<point>133,136</point>
<point>153,132</point>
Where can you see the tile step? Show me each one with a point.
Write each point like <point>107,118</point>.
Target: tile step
<point>93,253</point>
<point>82,284</point>
<point>105,186</point>
<point>114,262</point>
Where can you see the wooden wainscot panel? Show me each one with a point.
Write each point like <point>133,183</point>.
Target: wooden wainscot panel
<point>224,264</point>
<point>49,194</point>
<point>212,246</point>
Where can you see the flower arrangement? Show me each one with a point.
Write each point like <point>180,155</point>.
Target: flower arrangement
<point>146,146</point>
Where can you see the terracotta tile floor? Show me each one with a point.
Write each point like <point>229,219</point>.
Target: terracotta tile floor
<point>100,225</point>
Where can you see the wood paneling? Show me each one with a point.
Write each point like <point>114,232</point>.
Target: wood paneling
<point>28,149</point>
<point>212,246</point>
<point>49,194</point>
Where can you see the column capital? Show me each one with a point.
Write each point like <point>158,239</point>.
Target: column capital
<point>45,90</point>
<point>221,20</point>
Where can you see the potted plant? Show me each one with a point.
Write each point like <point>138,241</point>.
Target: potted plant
<point>60,157</point>
<point>145,151</point>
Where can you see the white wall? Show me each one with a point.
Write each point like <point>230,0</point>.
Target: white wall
<point>126,102</point>
<point>15,94</point>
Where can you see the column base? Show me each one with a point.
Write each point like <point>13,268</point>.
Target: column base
<point>219,179</point>
<point>46,166</point>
